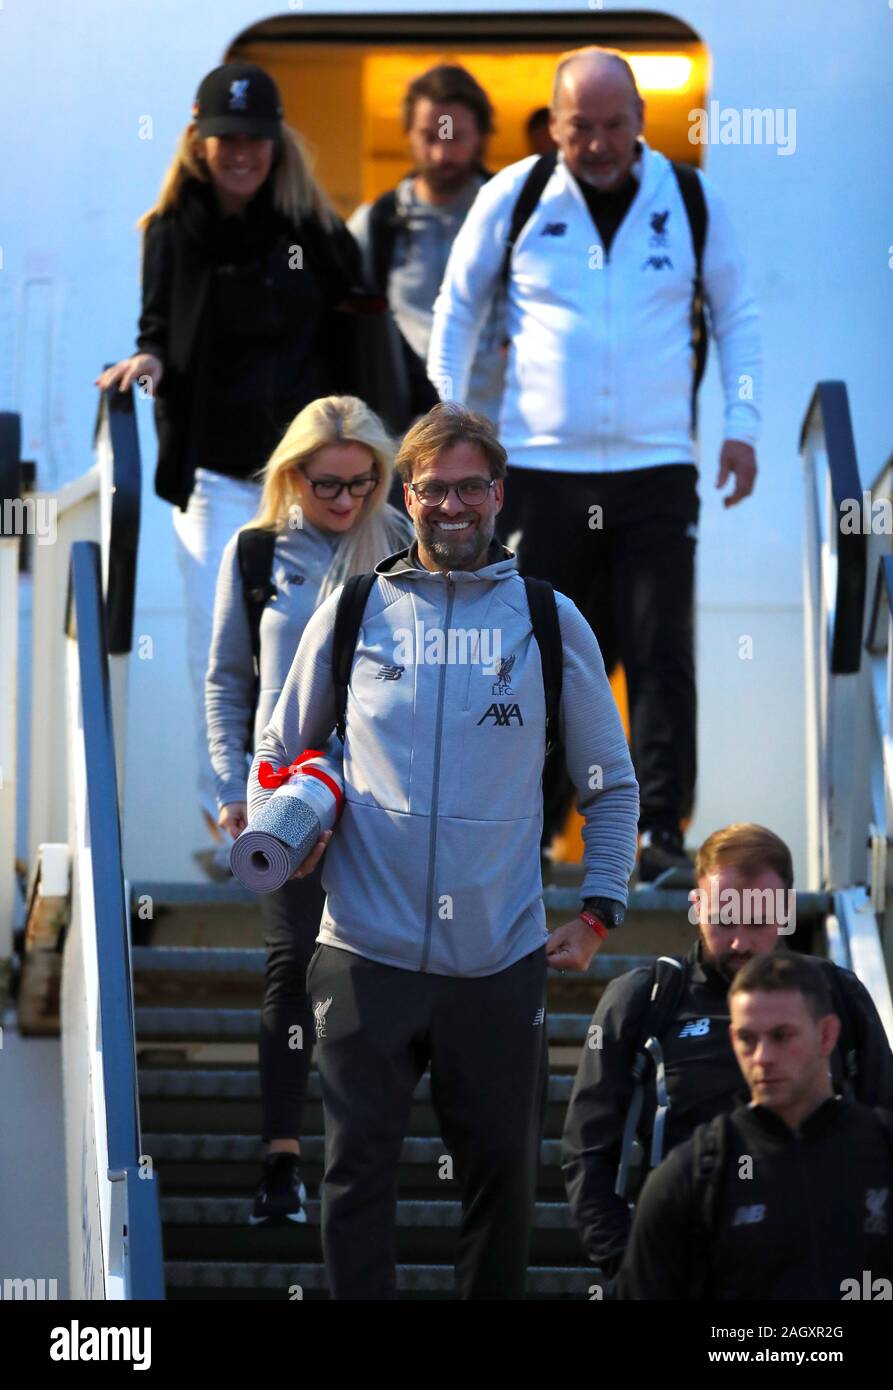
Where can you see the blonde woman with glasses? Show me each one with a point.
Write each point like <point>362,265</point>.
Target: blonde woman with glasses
<point>324,510</point>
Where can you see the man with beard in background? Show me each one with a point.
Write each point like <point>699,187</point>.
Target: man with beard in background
<point>658,1060</point>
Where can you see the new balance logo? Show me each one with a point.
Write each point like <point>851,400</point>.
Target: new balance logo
<point>319,1013</point>
<point>658,263</point>
<point>749,1216</point>
<point>389,673</point>
<point>698,1028</point>
<point>539,1017</point>
<point>502,715</point>
<point>554,229</point>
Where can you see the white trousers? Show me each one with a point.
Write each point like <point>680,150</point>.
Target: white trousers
<point>217,507</point>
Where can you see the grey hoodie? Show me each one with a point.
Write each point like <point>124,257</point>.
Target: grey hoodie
<point>435,863</point>
<point>301,560</point>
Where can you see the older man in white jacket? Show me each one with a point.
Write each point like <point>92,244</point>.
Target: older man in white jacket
<point>607,253</point>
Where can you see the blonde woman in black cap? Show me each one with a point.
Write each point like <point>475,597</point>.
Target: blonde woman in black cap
<point>244,262</point>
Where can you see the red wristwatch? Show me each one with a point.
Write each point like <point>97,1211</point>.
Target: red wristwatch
<point>594,922</point>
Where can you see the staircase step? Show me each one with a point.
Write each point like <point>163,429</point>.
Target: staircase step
<point>246,1148</point>
<point>234,1211</point>
<point>229,1102</point>
<point>242,1025</point>
<point>226,960</point>
<point>279,1280</point>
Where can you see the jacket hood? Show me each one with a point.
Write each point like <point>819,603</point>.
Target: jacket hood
<point>501,564</point>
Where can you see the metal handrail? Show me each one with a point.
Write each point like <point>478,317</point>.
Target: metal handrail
<point>137,1206</point>
<point>827,420</point>
<point>116,429</point>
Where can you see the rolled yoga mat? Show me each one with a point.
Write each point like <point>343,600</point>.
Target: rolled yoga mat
<point>285,829</point>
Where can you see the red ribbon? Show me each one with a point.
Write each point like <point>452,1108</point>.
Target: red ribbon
<point>268,776</point>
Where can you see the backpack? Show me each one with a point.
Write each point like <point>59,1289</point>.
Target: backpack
<point>254,549</point>
<point>670,978</point>
<point>709,1165</point>
<point>546,630</point>
<point>692,191</point>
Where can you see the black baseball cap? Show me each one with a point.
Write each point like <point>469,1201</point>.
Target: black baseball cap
<point>238,99</point>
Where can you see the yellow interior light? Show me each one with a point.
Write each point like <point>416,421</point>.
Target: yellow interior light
<point>660,72</point>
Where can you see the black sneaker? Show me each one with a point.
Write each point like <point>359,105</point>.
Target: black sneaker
<point>280,1195</point>
<point>663,860</point>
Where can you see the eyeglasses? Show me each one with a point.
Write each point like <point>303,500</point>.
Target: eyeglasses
<point>471,491</point>
<point>330,488</point>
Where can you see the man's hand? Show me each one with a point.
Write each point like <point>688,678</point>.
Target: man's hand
<point>314,856</point>
<point>234,817</point>
<point>572,946</point>
<point>739,459</point>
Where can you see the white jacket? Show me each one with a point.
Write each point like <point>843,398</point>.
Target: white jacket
<point>599,372</point>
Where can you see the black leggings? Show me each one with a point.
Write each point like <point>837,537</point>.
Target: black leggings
<point>291,923</point>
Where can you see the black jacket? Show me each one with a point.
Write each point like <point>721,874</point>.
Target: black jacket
<point>816,1212</point>
<point>703,1080</point>
<point>178,284</point>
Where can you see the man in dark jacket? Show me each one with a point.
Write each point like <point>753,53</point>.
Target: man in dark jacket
<point>788,1197</point>
<point>697,1060</point>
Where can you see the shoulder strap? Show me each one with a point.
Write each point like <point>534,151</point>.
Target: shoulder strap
<point>348,619</point>
<point>384,224</point>
<point>844,1007</point>
<point>668,980</point>
<point>254,548</point>
<point>711,1146</point>
<point>531,192</point>
<point>692,191</point>
<point>547,631</point>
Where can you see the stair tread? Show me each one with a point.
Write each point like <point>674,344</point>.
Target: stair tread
<point>215,1023</point>
<point>234,1211</point>
<point>246,1148</point>
<point>200,1083</point>
<point>418,1277</point>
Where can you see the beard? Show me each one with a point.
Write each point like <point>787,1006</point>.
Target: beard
<point>447,181</point>
<point>726,963</point>
<point>459,549</point>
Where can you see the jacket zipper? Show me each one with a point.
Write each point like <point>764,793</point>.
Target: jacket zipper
<point>435,788</point>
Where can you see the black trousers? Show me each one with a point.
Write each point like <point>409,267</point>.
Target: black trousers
<point>622,546</point>
<point>485,1039</point>
<point>291,924</point>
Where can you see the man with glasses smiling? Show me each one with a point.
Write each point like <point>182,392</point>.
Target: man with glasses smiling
<point>433,945</point>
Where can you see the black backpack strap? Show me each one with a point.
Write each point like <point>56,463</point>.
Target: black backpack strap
<point>348,619</point>
<point>531,192</point>
<point>711,1150</point>
<point>692,191</point>
<point>547,631</point>
<point>254,547</point>
<point>385,223</point>
<point>850,1032</point>
<point>668,982</point>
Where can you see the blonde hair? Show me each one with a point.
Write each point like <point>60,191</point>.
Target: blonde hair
<point>747,848</point>
<point>379,529</point>
<point>296,192</point>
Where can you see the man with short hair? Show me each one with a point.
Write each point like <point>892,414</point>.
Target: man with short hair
<point>433,944</point>
<point>407,234</point>
<point>788,1197</point>
<point>611,252</point>
<point>743,907</point>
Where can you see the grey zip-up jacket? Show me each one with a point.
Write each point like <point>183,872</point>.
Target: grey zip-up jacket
<point>301,561</point>
<point>435,864</point>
